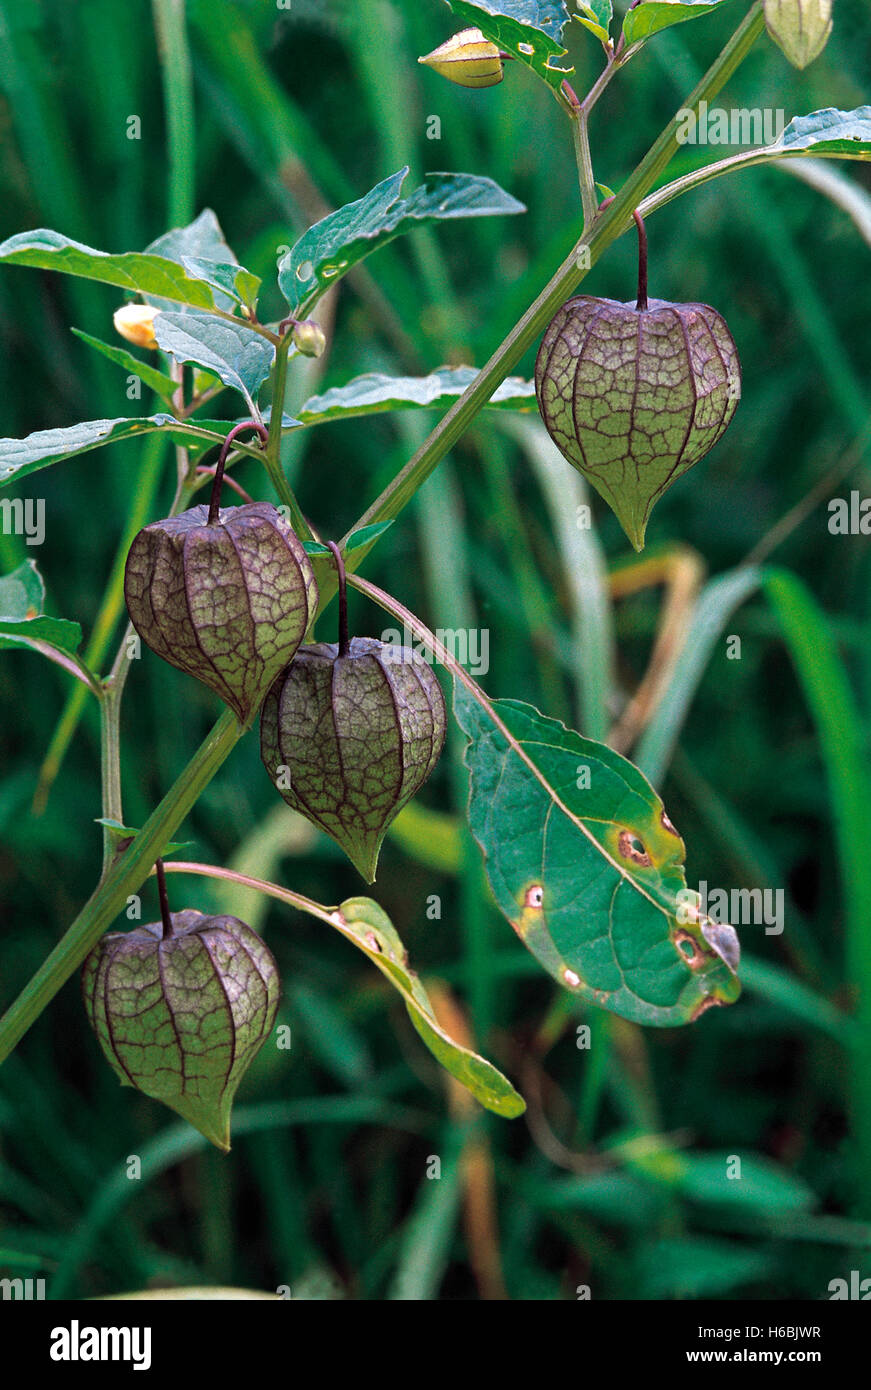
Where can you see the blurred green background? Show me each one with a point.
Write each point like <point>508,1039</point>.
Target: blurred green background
<point>612,1180</point>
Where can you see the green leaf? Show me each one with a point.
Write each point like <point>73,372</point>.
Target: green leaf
<point>587,868</point>
<point>357,541</point>
<point>124,835</point>
<point>530,30</point>
<point>201,240</point>
<point>155,380</point>
<point>340,241</point>
<point>829,132</point>
<point>135,271</point>
<point>374,392</point>
<point>19,457</point>
<point>370,929</point>
<point>22,624</point>
<point>232,351</point>
<point>596,15</point>
<point>239,284</point>
<point>652,15</point>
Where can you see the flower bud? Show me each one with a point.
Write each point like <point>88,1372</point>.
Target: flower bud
<point>182,1016</point>
<point>135,322</point>
<point>799,27</point>
<point>349,739</point>
<point>227,602</point>
<point>309,338</point>
<point>468,59</point>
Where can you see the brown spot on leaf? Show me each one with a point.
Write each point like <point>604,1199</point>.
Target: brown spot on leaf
<point>373,943</point>
<point>571,978</point>
<point>534,896</point>
<point>667,825</point>
<point>633,849</point>
<point>709,1002</point>
<point>689,949</point>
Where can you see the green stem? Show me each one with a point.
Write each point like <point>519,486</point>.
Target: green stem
<point>110,609</point>
<point>170,26</point>
<point>110,764</point>
<point>271,890</point>
<point>586,177</point>
<point>607,227</point>
<point>272,455</point>
<point>124,878</point>
<point>746,160</point>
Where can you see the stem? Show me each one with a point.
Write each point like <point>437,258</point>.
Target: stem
<point>581,137</point>
<point>110,765</point>
<point>272,457</point>
<point>125,877</point>
<point>641,301</point>
<point>607,227</point>
<point>165,914</point>
<point>272,890</point>
<point>215,499</point>
<point>343,598</point>
<point>642,262</point>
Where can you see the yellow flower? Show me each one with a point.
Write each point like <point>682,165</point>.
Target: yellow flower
<point>135,322</point>
<point>468,59</point>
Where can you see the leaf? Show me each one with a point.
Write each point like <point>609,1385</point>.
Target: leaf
<point>232,351</point>
<point>828,132</point>
<point>370,929</point>
<point>155,380</point>
<point>341,240</point>
<point>652,15</point>
<point>358,541</point>
<point>135,271</point>
<point>530,30</point>
<point>374,393</point>
<point>587,868</point>
<point>19,457</point>
<point>239,284</point>
<point>596,15</point>
<point>201,240</point>
<point>124,835</point>
<point>22,624</point>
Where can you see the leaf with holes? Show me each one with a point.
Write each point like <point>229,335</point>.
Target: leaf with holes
<point>337,243</point>
<point>589,870</point>
<point>367,925</point>
<point>530,30</point>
